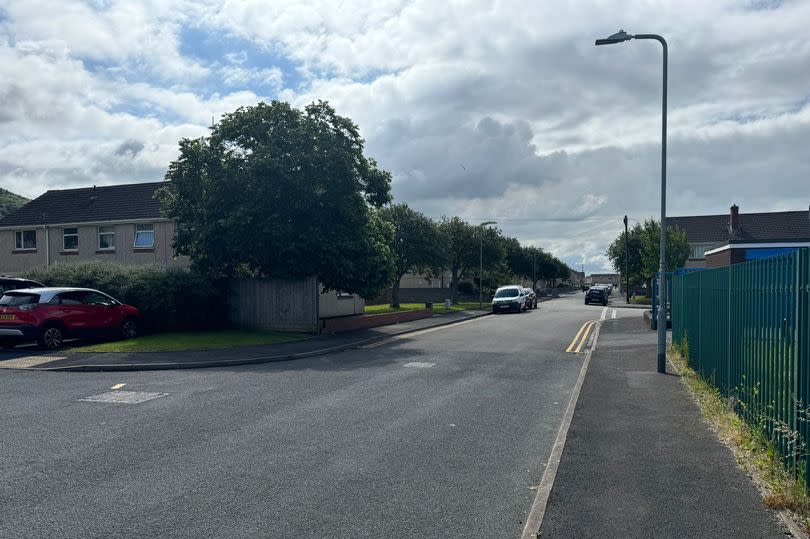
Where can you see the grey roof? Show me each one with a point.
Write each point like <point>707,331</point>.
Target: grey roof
<point>754,227</point>
<point>89,204</point>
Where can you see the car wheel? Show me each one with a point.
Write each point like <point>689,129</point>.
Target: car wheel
<point>51,338</point>
<point>129,329</point>
<point>494,310</point>
<point>586,302</point>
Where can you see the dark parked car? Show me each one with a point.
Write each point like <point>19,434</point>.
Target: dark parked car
<point>596,294</point>
<point>50,315</point>
<point>13,283</point>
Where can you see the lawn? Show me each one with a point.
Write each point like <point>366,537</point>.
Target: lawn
<point>198,340</point>
<point>437,307</point>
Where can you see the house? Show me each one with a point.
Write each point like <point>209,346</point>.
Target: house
<point>118,223</point>
<point>721,240</point>
<point>603,278</point>
<point>124,224</point>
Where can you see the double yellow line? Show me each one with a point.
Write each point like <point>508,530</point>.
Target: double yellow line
<point>582,337</point>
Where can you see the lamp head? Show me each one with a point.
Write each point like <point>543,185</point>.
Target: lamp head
<point>618,37</point>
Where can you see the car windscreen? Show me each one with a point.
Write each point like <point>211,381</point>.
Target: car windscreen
<point>507,293</point>
<point>13,299</point>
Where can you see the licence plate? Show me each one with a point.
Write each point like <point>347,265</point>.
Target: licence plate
<point>7,317</point>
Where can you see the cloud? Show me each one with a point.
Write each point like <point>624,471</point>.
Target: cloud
<point>486,110</point>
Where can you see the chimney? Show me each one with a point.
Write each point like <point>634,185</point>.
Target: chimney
<point>735,219</point>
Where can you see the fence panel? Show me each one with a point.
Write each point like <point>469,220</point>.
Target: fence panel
<point>748,329</point>
<point>275,304</point>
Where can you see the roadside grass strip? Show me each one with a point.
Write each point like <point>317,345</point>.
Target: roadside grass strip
<point>581,338</point>
<point>754,452</point>
<point>187,340</point>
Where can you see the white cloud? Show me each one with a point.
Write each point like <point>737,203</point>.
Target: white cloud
<point>482,109</point>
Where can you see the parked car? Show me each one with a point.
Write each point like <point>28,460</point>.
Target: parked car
<point>596,294</point>
<point>509,298</point>
<point>531,298</point>
<point>51,315</point>
<point>14,283</point>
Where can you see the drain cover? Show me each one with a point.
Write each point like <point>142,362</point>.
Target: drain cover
<point>123,397</point>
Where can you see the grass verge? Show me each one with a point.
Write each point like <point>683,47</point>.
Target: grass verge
<point>437,308</point>
<point>755,453</point>
<point>198,340</point>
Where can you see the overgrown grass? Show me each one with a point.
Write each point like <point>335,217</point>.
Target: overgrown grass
<point>641,300</point>
<point>437,308</point>
<point>202,340</point>
<point>756,454</point>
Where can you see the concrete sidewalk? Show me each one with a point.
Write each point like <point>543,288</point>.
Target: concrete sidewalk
<point>640,462</point>
<point>242,355</point>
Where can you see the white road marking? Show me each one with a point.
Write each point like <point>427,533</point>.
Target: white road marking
<point>420,332</point>
<point>117,386</point>
<point>27,362</point>
<point>419,365</point>
<point>123,397</point>
<point>535,517</point>
<point>604,313</point>
<point>614,314</point>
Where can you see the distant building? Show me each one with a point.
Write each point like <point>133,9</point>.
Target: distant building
<point>603,278</point>
<point>722,240</point>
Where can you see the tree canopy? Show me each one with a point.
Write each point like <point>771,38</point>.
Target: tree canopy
<point>10,202</point>
<point>643,241</point>
<point>417,244</point>
<point>277,191</point>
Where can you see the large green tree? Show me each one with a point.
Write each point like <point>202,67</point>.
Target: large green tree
<point>416,244</point>
<point>465,246</point>
<point>278,191</point>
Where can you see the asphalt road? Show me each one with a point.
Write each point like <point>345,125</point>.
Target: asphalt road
<point>440,434</point>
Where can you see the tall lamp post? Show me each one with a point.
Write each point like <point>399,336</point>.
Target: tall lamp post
<point>481,262</point>
<point>626,263</point>
<point>619,37</point>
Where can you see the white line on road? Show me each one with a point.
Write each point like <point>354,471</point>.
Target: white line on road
<point>535,517</point>
<point>614,314</point>
<point>420,332</point>
<point>117,386</point>
<point>604,313</point>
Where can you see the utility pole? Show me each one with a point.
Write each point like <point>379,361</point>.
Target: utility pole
<point>626,262</point>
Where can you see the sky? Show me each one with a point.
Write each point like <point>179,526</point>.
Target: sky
<point>486,109</point>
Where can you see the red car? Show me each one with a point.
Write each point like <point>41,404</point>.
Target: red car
<point>50,315</point>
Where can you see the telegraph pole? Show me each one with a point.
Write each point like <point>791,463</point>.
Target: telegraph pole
<point>626,262</point>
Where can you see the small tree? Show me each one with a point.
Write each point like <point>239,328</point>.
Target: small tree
<point>616,254</point>
<point>416,244</point>
<point>677,248</point>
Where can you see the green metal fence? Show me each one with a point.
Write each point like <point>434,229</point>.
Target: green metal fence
<point>748,330</point>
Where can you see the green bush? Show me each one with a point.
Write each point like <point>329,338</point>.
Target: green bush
<point>168,298</point>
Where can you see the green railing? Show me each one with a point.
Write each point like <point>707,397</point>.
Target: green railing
<point>748,331</point>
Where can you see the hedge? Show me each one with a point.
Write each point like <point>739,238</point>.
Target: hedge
<point>168,298</point>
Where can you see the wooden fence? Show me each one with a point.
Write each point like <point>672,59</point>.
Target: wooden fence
<point>274,304</point>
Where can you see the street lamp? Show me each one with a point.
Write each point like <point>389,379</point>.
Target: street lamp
<point>481,262</point>
<point>619,37</point>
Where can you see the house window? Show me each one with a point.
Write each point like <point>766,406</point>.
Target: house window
<point>697,251</point>
<point>106,238</point>
<point>70,239</point>
<point>144,236</point>
<point>25,240</point>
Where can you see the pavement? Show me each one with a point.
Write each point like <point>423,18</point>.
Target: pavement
<point>640,462</point>
<point>442,433</point>
<point>66,360</point>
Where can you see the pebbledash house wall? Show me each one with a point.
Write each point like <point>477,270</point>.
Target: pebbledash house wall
<point>14,261</point>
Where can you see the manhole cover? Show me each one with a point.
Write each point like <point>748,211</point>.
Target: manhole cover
<point>123,397</point>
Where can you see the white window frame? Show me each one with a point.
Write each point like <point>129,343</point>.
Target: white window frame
<point>65,235</point>
<point>19,240</point>
<point>112,233</point>
<point>150,229</point>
